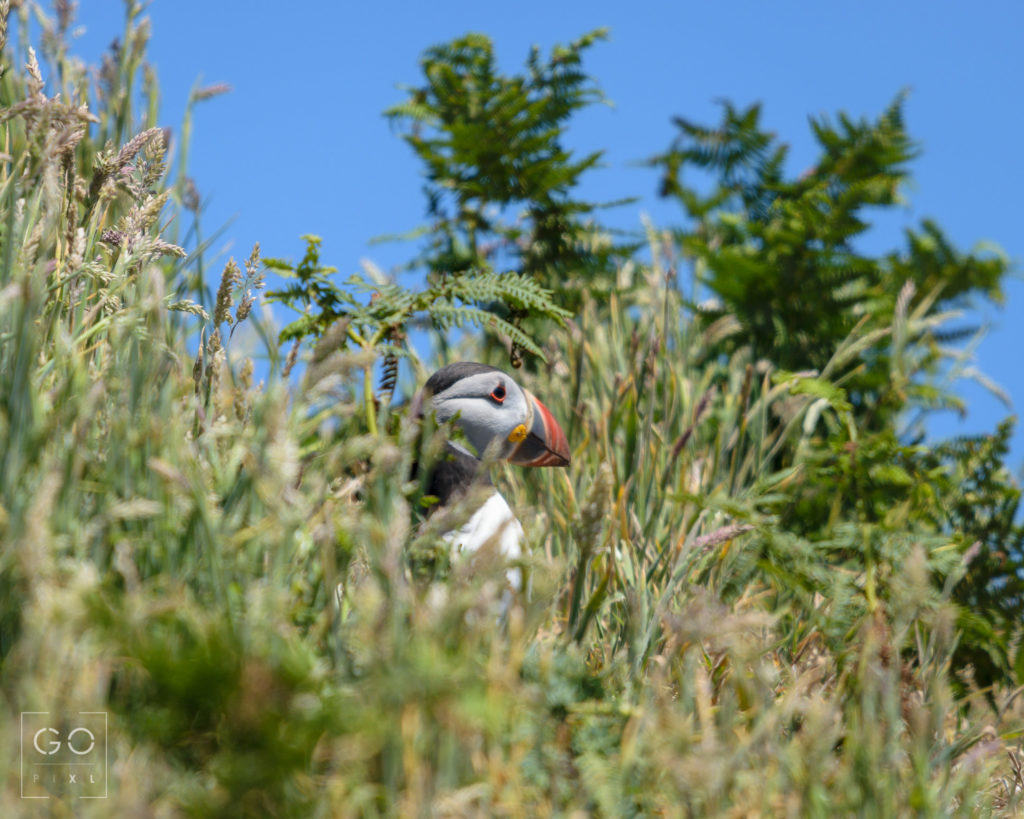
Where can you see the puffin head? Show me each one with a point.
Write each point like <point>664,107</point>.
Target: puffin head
<point>493,410</point>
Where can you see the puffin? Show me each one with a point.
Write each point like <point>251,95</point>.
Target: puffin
<point>501,420</point>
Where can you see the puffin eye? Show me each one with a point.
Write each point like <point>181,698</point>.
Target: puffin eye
<point>498,393</point>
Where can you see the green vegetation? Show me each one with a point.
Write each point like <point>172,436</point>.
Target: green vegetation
<point>755,592</point>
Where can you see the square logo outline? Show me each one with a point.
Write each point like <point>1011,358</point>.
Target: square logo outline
<point>106,753</point>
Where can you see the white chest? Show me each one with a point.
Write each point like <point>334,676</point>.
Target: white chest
<point>495,525</point>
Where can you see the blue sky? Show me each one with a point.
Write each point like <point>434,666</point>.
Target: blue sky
<point>300,145</point>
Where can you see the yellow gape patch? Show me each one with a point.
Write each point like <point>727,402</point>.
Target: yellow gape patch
<point>518,434</point>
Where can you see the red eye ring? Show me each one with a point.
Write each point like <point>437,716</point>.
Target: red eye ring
<point>498,393</point>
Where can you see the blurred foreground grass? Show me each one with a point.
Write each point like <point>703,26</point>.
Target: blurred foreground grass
<point>173,536</point>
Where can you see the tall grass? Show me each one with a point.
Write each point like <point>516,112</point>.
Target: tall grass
<point>225,568</point>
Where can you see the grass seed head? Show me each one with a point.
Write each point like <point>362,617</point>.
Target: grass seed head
<point>229,279</point>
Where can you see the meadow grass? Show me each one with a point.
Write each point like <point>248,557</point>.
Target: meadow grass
<point>224,567</point>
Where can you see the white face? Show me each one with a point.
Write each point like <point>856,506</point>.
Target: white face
<point>490,406</point>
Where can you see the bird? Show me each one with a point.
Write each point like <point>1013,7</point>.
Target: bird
<point>501,420</point>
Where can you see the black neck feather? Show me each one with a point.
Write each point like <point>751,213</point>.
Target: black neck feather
<point>454,474</point>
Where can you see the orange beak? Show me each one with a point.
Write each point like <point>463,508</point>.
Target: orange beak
<point>544,444</point>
